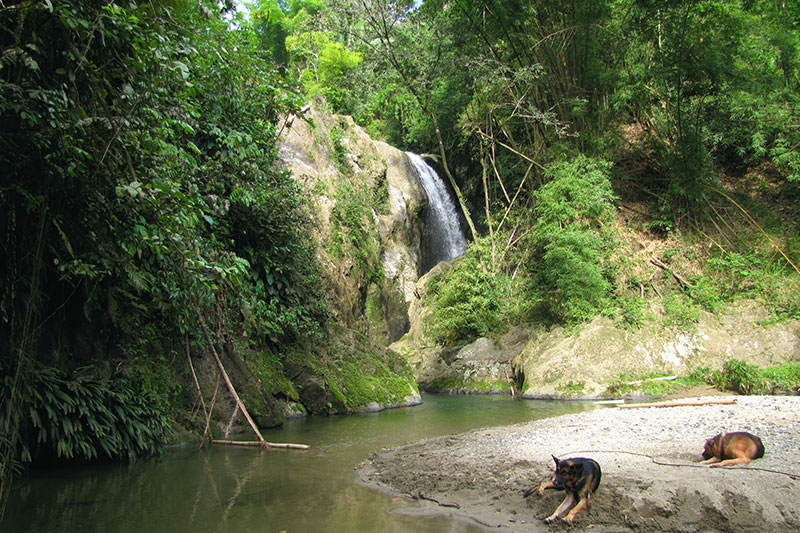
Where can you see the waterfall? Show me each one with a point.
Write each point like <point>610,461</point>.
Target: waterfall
<point>444,238</point>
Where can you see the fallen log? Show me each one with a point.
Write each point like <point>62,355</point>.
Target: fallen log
<point>677,403</point>
<point>262,445</point>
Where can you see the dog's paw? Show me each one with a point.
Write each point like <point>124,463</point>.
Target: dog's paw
<point>550,518</point>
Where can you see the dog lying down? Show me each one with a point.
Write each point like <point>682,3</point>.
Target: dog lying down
<point>579,477</point>
<point>736,448</point>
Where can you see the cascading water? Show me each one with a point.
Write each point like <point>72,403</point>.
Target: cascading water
<point>444,238</point>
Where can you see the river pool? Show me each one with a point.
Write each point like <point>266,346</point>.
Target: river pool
<point>242,490</point>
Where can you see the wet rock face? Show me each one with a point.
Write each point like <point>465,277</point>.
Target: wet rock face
<point>365,205</point>
<point>370,284</point>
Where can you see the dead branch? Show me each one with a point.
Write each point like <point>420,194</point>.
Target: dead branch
<point>230,386</point>
<point>196,383</point>
<point>285,445</point>
<point>210,412</point>
<point>683,283</point>
<point>677,403</point>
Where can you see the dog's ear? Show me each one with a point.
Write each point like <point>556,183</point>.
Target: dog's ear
<point>556,459</point>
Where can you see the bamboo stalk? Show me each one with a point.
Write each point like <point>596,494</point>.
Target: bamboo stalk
<point>196,383</point>
<point>228,382</point>
<point>258,444</point>
<point>756,224</point>
<point>677,403</point>
<point>210,412</point>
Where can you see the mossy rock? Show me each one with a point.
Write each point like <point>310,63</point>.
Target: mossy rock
<point>350,373</point>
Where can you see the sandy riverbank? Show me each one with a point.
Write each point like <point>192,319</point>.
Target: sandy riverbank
<point>481,474</point>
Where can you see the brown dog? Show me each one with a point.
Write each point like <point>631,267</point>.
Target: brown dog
<point>736,448</point>
<point>579,477</point>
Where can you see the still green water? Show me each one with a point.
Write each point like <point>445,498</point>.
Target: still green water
<point>243,490</point>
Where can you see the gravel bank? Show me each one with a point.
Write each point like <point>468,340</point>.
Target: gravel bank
<point>481,474</point>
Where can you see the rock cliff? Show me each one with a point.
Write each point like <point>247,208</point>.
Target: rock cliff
<point>556,364</point>
<point>367,205</point>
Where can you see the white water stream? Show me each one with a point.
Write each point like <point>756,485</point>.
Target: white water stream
<point>445,240</point>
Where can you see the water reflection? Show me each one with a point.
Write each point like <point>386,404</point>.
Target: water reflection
<point>242,489</point>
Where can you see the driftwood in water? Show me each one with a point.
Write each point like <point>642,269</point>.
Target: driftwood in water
<point>677,403</point>
<point>264,445</point>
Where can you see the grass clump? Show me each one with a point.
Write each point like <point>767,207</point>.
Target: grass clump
<point>746,378</point>
<point>649,385</point>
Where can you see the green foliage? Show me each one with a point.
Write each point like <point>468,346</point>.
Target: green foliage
<point>626,384</point>
<point>713,81</point>
<point>156,379</point>
<point>323,67</point>
<point>746,378</point>
<point>456,385</point>
<point>750,275</point>
<point>571,388</point>
<point>267,365</point>
<point>572,239</point>
<point>469,302</point>
<point>350,235</point>
<point>138,159</point>
<point>739,376</point>
<point>632,311</point>
<point>265,223</point>
<point>338,151</point>
<point>705,293</point>
<point>680,312</point>
<point>85,416</point>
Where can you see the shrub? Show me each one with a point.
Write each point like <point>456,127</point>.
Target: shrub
<point>632,312</point>
<point>84,416</point>
<point>574,211</point>
<point>747,378</point>
<point>469,303</point>
<point>680,311</point>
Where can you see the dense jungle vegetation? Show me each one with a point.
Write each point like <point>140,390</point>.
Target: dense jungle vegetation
<point>143,218</point>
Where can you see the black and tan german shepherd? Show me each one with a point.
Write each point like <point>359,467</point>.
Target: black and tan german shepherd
<point>579,477</point>
<point>736,448</point>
